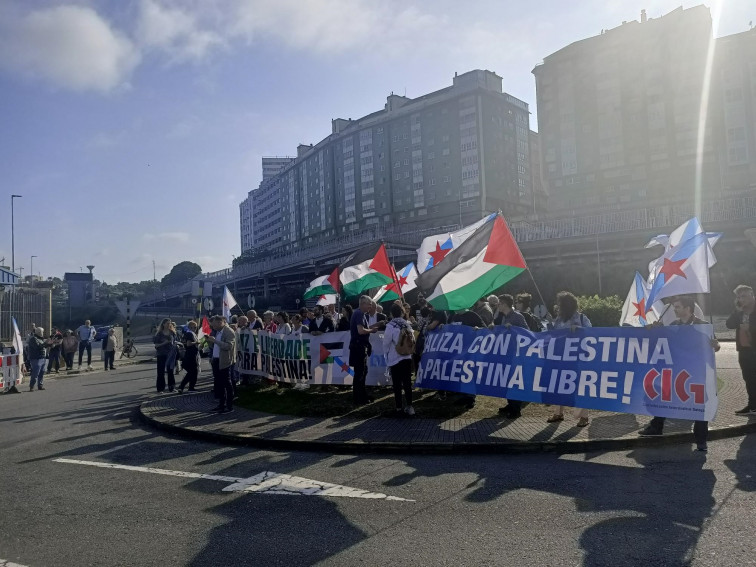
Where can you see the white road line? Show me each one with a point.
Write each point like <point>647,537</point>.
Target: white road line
<point>6,563</point>
<point>266,482</point>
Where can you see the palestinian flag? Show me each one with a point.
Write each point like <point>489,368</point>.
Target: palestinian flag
<point>323,285</point>
<point>484,262</point>
<point>366,269</point>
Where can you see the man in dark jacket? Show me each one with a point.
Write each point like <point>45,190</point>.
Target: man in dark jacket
<point>320,323</point>
<point>37,350</point>
<point>743,320</point>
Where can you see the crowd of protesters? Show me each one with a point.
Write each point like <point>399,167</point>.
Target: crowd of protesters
<point>403,319</point>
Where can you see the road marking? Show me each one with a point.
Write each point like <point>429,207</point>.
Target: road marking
<point>267,482</point>
<point>6,563</point>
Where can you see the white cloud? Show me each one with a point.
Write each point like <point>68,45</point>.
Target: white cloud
<point>69,46</point>
<point>175,32</point>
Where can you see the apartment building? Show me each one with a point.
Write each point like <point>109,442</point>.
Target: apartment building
<point>439,159</point>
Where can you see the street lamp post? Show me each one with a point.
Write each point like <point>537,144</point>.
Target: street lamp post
<point>13,235</point>
<point>31,269</point>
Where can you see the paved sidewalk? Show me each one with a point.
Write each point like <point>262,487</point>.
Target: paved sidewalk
<point>189,415</point>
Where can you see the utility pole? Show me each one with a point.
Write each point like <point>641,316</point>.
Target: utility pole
<point>154,277</point>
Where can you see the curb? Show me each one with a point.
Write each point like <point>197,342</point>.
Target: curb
<point>494,447</point>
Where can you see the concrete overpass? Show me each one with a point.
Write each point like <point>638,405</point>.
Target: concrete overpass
<point>600,239</point>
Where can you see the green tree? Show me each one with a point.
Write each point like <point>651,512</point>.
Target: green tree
<point>180,273</point>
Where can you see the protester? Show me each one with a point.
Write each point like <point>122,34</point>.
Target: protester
<point>483,310</point>
<point>281,320</point>
<point>743,320</point>
<point>569,317</point>
<point>507,315</point>
<point>510,318</point>
<point>191,362</point>
<point>56,341</point>
<point>684,311</point>
<point>242,323</point>
<point>164,341</point>
<point>493,303</point>
<point>360,350</point>
<point>297,328</point>
<point>331,311</point>
<point>255,324</point>
<point>344,323</point>
<point>437,320</point>
<point>223,340</point>
<point>268,323</point>
<point>321,323</point>
<point>422,326</point>
<point>69,344</point>
<point>522,304</point>
<point>36,348</point>
<point>86,334</point>
<point>400,365</point>
<point>304,313</point>
<point>375,318</point>
<point>111,345</point>
<point>469,319</point>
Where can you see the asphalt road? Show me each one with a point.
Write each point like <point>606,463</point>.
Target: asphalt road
<point>666,506</point>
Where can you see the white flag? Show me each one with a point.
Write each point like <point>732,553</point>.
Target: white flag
<point>685,231</point>
<point>18,342</point>
<point>228,303</point>
<point>435,248</point>
<point>327,299</point>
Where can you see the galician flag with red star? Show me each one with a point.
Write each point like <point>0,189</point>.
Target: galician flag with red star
<point>435,248</point>
<point>405,281</point>
<point>634,312</point>
<point>682,269</point>
<point>487,260</point>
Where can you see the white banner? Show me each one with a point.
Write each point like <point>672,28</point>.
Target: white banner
<point>322,359</point>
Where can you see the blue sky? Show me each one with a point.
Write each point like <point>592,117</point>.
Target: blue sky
<point>133,129</point>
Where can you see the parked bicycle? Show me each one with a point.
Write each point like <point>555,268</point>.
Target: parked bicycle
<point>128,350</point>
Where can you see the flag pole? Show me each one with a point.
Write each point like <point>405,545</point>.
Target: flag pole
<point>538,291</point>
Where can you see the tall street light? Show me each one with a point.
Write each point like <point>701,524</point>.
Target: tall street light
<point>31,269</point>
<point>13,235</point>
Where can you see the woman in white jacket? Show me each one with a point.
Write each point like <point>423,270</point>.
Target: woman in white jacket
<point>399,365</point>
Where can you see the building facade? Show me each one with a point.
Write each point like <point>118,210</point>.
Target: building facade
<point>440,159</point>
<point>619,114</point>
<point>735,110</point>
<point>271,167</point>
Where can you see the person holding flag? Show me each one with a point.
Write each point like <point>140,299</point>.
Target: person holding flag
<point>684,311</point>
<point>743,320</point>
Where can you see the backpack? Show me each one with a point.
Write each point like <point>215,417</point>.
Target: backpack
<point>405,346</point>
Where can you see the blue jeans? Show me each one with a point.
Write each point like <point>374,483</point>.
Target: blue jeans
<point>37,372</point>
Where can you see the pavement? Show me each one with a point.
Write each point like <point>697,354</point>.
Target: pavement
<point>189,415</point>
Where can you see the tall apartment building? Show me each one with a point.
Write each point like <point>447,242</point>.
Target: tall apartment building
<point>619,115</point>
<point>734,86</point>
<point>271,167</point>
<point>439,159</point>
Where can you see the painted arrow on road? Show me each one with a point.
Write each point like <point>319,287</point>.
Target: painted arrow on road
<point>266,482</point>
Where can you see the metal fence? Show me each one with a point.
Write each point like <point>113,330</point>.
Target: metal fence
<point>28,306</point>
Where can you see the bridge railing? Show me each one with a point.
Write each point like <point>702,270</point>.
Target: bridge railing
<point>649,218</point>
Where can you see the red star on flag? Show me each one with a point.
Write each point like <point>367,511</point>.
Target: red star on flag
<point>345,367</point>
<point>672,268</point>
<point>397,285</point>
<point>640,308</point>
<point>438,254</point>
